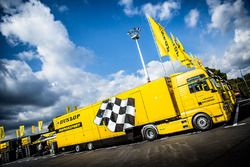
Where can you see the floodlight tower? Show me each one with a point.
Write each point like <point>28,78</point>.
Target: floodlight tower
<point>135,35</point>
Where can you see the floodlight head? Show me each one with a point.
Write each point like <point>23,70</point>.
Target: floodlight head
<point>134,33</point>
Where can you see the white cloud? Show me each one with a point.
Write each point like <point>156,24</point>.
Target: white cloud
<point>224,14</point>
<point>8,6</point>
<point>63,8</point>
<point>22,86</point>
<point>28,26</point>
<point>242,36</point>
<point>235,73</point>
<point>213,3</point>
<point>237,54</point>
<point>163,11</point>
<point>129,9</point>
<point>27,55</point>
<point>192,18</point>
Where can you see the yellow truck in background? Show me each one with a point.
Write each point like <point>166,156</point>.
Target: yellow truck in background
<point>25,141</point>
<point>170,104</point>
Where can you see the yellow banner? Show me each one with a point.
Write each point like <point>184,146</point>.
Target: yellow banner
<point>187,61</point>
<point>33,129</point>
<point>68,109</point>
<point>201,64</point>
<point>197,63</point>
<point>162,40</point>
<point>2,134</point>
<point>40,125</point>
<point>17,133</point>
<point>21,130</point>
<point>183,57</point>
<point>180,45</point>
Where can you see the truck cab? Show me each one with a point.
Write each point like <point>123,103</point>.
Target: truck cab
<point>196,92</point>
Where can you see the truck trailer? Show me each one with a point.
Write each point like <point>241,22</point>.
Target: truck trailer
<point>172,104</point>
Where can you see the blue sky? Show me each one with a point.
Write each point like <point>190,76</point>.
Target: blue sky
<point>59,53</point>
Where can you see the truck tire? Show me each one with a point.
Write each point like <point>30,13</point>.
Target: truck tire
<point>202,122</point>
<point>78,148</point>
<point>90,146</point>
<point>149,133</point>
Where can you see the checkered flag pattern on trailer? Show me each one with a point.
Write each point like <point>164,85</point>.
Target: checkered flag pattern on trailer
<point>116,114</point>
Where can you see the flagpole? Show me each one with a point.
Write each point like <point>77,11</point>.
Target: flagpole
<point>160,57</point>
<point>135,35</point>
<point>142,60</point>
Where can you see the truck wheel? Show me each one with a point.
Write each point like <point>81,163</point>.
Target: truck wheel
<point>78,148</point>
<point>90,146</point>
<point>149,133</point>
<point>202,122</point>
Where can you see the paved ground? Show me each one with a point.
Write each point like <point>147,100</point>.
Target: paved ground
<point>221,146</point>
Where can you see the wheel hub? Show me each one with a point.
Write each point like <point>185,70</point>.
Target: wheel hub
<point>150,134</point>
<point>202,122</point>
<point>90,146</point>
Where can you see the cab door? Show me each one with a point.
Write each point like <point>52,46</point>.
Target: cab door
<point>188,100</point>
<point>204,95</point>
<point>189,92</point>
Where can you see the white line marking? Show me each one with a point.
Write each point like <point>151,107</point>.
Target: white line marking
<point>164,138</point>
<point>235,125</point>
<point>111,147</point>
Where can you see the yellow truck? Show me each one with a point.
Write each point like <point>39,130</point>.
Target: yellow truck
<point>170,104</point>
<point>25,141</point>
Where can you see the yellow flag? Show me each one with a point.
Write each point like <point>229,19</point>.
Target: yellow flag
<point>33,128</point>
<point>201,64</point>
<point>183,57</point>
<point>179,53</point>
<point>21,130</point>
<point>188,61</point>
<point>40,125</point>
<point>198,63</point>
<point>68,109</point>
<point>17,133</point>
<point>2,134</point>
<point>75,108</point>
<point>162,40</point>
<point>180,45</point>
